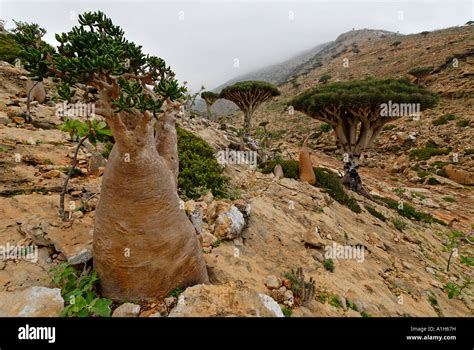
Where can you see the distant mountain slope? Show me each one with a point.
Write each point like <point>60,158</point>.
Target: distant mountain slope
<point>300,64</point>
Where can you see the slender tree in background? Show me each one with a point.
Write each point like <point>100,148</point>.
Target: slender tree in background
<point>248,96</point>
<point>358,110</point>
<point>210,98</point>
<point>144,245</point>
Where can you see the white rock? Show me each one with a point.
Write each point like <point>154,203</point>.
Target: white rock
<point>272,282</point>
<point>32,302</point>
<point>127,310</point>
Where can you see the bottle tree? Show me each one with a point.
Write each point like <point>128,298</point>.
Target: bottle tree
<point>210,98</point>
<point>356,111</point>
<point>248,96</point>
<point>144,245</point>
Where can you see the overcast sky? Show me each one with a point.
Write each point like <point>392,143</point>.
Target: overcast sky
<point>202,40</point>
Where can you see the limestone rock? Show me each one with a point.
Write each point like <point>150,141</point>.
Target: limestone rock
<point>312,238</point>
<point>127,310</point>
<point>272,282</point>
<point>231,299</point>
<point>38,93</point>
<point>278,172</point>
<point>32,302</point>
<point>459,175</point>
<point>229,222</point>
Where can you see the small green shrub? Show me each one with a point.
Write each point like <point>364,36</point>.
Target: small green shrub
<point>199,170</point>
<point>432,181</point>
<point>409,211</point>
<point>400,225</point>
<point>216,243</point>
<point>329,265</point>
<point>389,127</point>
<point>287,312</point>
<point>428,152</point>
<point>469,151</point>
<point>463,123</point>
<point>175,292</point>
<point>364,314</point>
<point>444,119</point>
<point>331,182</point>
<point>375,213</point>
<point>325,127</point>
<point>449,199</point>
<point>351,305</point>
<point>335,302</point>
<point>291,168</point>
<point>79,290</point>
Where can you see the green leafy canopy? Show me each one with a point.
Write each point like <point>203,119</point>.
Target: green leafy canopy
<point>250,86</point>
<point>362,93</point>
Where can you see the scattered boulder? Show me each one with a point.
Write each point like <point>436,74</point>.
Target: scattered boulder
<point>231,299</point>
<point>96,163</point>
<point>37,229</point>
<point>272,282</point>
<point>32,302</point>
<point>127,310</point>
<point>459,175</point>
<point>312,238</point>
<point>227,220</point>
<point>52,174</point>
<point>38,93</point>
<point>278,172</point>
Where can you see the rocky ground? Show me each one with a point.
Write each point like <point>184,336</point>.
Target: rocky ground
<point>252,243</point>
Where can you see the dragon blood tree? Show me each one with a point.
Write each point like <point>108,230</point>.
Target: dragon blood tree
<point>358,110</point>
<point>144,245</point>
<point>210,98</point>
<point>248,96</point>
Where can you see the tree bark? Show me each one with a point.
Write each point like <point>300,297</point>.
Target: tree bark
<point>247,122</point>
<point>144,245</point>
<point>351,176</point>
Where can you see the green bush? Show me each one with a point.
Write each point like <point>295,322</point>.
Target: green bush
<point>375,213</point>
<point>79,290</point>
<point>469,151</point>
<point>9,48</point>
<point>400,225</point>
<point>329,265</point>
<point>331,182</point>
<point>432,181</point>
<point>389,127</point>
<point>198,168</point>
<point>428,152</point>
<point>325,179</point>
<point>444,119</point>
<point>410,212</point>
<point>287,312</point>
<point>449,199</point>
<point>463,123</point>
<point>325,127</point>
<point>291,168</point>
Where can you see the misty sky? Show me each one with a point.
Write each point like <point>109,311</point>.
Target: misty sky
<point>202,40</point>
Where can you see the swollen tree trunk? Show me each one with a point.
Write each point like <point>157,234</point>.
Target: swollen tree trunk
<point>144,245</point>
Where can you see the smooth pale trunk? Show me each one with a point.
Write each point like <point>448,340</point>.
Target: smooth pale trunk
<point>144,244</point>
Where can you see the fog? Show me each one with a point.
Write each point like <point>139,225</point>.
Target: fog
<point>208,42</point>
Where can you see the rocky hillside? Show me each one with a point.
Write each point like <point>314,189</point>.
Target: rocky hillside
<point>255,242</point>
<point>282,72</point>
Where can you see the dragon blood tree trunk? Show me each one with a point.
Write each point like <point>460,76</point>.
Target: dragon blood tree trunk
<point>144,244</point>
<point>351,176</point>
